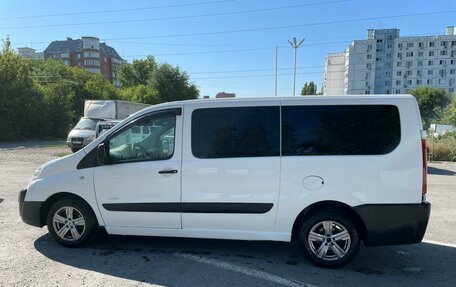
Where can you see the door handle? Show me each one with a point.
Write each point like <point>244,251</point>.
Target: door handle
<point>168,171</point>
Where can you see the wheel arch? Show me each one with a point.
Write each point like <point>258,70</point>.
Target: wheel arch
<point>332,206</point>
<point>56,197</point>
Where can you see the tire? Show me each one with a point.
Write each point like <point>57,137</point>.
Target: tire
<point>75,149</point>
<point>71,222</point>
<point>329,239</point>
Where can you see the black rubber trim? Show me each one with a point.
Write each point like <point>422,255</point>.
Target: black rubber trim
<point>30,210</point>
<point>89,160</point>
<point>192,207</point>
<point>391,224</point>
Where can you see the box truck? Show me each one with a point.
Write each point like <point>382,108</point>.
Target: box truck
<point>84,133</point>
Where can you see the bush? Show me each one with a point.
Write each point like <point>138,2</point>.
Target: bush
<point>443,149</point>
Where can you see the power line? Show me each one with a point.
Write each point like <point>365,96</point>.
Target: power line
<point>118,10</point>
<point>176,17</point>
<point>225,51</point>
<point>252,70</point>
<point>283,27</point>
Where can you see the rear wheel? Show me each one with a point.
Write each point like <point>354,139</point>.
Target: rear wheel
<point>329,239</point>
<point>71,222</point>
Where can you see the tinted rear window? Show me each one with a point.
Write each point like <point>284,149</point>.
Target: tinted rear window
<point>340,130</point>
<point>236,132</point>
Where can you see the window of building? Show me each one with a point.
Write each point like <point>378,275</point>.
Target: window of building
<point>430,72</point>
<point>91,54</point>
<point>419,82</point>
<point>389,37</point>
<point>442,81</point>
<point>378,59</point>
<point>443,43</point>
<point>408,73</point>
<point>442,72</point>
<point>369,56</point>
<point>379,40</point>
<point>399,73</point>
<point>453,53</point>
<point>399,45</point>
<point>399,55</point>
<point>399,64</point>
<point>409,64</point>
<point>398,82</point>
<point>410,45</point>
<point>420,54</point>
<point>451,81</point>
<point>451,90</point>
<point>369,47</point>
<point>452,62</point>
<point>388,65</point>
<point>389,46</point>
<point>442,62</point>
<point>236,132</point>
<point>453,43</point>
<point>367,92</point>
<point>420,63</point>
<point>430,63</point>
<point>408,82</point>
<point>431,53</point>
<point>387,83</point>
<point>429,81</point>
<point>421,44</point>
<point>409,54</point>
<point>443,53</point>
<point>387,91</point>
<point>452,71</point>
<point>419,73</point>
<point>335,130</point>
<point>388,55</point>
<point>431,44</point>
<point>398,91</point>
<point>369,66</point>
<point>158,145</point>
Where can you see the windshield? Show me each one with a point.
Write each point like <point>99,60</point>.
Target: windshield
<point>86,124</point>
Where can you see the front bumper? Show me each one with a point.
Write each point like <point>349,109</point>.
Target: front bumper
<point>30,211</point>
<point>391,224</point>
<point>79,143</point>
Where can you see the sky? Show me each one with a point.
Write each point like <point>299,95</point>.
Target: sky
<point>224,45</point>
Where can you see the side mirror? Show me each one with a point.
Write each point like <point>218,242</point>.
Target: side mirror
<point>101,154</point>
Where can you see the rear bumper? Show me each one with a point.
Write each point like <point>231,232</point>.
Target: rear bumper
<point>30,211</point>
<point>391,224</point>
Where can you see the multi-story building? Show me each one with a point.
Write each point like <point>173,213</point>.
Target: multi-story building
<point>30,53</point>
<point>386,63</point>
<point>333,82</point>
<point>89,54</point>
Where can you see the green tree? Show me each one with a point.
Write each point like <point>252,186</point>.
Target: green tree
<point>100,88</point>
<point>20,102</point>
<point>137,73</point>
<point>140,94</point>
<point>172,84</point>
<point>309,89</point>
<point>432,103</point>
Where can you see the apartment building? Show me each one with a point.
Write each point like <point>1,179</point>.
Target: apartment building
<point>30,53</point>
<point>334,78</point>
<point>386,63</point>
<point>89,54</point>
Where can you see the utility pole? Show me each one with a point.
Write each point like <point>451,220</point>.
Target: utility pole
<point>295,46</point>
<point>276,68</point>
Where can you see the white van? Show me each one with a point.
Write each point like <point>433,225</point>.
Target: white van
<point>329,172</point>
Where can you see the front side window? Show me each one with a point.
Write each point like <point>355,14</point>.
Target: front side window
<point>236,132</point>
<point>340,130</point>
<point>151,138</point>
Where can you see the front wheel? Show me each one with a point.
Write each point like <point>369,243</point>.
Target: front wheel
<point>71,222</point>
<point>329,239</point>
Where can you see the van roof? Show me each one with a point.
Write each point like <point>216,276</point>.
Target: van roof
<point>303,98</point>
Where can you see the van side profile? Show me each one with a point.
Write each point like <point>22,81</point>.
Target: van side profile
<point>329,172</point>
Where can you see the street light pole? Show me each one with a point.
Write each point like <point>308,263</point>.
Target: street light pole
<point>295,46</point>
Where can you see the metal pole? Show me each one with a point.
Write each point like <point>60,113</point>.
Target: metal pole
<point>295,46</point>
<point>294,73</point>
<point>276,68</point>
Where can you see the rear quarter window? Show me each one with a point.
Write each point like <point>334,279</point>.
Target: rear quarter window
<point>340,130</point>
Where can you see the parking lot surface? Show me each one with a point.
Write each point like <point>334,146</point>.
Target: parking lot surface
<point>29,257</point>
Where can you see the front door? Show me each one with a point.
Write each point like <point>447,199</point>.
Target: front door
<point>140,186</point>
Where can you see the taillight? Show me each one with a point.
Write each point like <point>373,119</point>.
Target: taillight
<point>424,154</point>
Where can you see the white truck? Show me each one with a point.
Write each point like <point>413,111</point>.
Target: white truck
<point>94,111</point>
